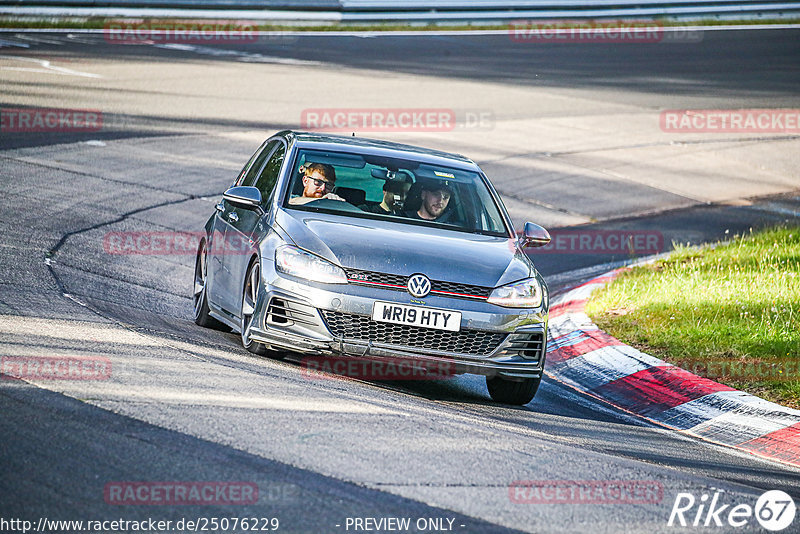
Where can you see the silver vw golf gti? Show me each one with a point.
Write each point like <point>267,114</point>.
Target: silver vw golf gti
<point>344,247</point>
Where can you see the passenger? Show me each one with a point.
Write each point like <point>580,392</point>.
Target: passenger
<point>435,198</point>
<point>318,182</point>
<point>394,194</point>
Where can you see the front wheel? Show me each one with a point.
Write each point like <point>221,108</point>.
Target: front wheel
<point>249,298</point>
<point>201,311</point>
<point>512,392</point>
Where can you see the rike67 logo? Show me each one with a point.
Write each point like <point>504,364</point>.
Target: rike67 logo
<point>774,511</point>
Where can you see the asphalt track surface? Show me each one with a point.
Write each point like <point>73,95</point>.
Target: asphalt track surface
<point>573,140</point>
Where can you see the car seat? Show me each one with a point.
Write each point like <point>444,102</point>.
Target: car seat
<point>354,196</point>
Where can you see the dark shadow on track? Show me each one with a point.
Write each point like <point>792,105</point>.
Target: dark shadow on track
<point>119,126</point>
<point>68,481</point>
<point>727,64</point>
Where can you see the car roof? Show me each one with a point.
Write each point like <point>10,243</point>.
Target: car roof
<point>332,142</point>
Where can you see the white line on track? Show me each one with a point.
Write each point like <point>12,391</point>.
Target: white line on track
<point>46,67</point>
<point>4,43</point>
<point>259,402</point>
<point>241,56</point>
<point>37,39</point>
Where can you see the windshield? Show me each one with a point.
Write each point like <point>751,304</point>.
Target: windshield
<point>403,191</point>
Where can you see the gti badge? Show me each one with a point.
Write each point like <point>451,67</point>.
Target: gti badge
<point>419,285</point>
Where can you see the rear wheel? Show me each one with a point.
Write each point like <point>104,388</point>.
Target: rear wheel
<point>201,311</point>
<point>512,392</point>
<point>249,298</point>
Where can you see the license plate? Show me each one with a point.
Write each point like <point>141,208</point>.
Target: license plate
<point>389,312</point>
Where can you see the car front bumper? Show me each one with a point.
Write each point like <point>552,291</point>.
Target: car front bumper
<point>297,316</point>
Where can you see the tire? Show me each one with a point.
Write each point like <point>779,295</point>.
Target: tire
<point>201,311</point>
<point>511,392</point>
<point>249,298</point>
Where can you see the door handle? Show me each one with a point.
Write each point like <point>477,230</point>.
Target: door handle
<point>233,217</point>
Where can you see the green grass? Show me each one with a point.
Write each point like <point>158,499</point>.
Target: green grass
<point>735,302</point>
<point>100,22</point>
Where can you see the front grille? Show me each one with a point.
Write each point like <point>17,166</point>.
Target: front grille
<point>398,283</point>
<point>362,328</point>
<point>372,277</point>
<point>460,289</point>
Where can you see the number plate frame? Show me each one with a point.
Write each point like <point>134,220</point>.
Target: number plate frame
<point>423,317</point>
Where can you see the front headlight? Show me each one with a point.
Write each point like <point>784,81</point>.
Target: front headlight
<point>296,262</point>
<point>524,294</point>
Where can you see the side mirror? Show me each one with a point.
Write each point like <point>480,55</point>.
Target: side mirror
<point>534,236</point>
<point>245,196</point>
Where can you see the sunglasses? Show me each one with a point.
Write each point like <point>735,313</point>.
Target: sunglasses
<point>320,183</point>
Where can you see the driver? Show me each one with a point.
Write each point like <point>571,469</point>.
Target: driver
<point>435,198</point>
<point>318,182</point>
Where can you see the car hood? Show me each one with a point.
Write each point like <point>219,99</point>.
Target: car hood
<point>406,249</point>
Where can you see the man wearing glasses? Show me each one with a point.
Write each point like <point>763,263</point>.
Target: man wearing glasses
<point>318,182</point>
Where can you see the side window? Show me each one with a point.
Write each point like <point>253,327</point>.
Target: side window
<point>252,172</point>
<point>269,176</point>
<point>249,164</point>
